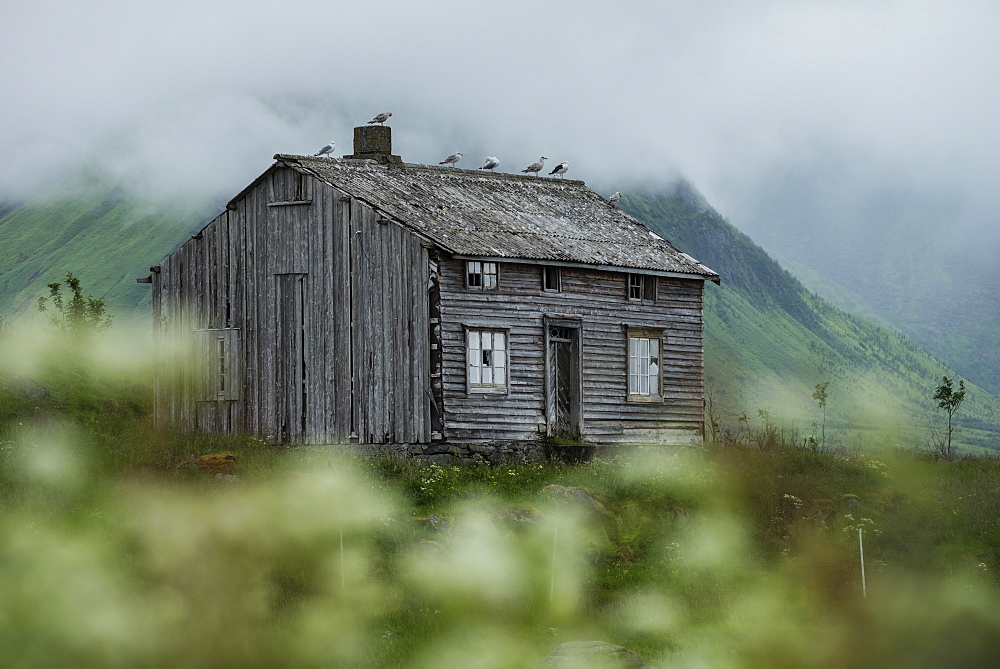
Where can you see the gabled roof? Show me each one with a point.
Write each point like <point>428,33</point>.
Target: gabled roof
<point>478,214</point>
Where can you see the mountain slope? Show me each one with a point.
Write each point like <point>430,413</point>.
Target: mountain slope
<point>769,341</point>
<point>910,272</point>
<point>94,230</point>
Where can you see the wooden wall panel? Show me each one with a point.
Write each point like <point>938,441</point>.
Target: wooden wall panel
<point>331,305</point>
<point>598,298</point>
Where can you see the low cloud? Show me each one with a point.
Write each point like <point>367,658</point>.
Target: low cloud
<point>194,98</point>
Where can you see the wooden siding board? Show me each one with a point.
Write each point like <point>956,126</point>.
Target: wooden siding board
<point>341,372</point>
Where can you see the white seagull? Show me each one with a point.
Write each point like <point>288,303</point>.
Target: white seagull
<point>613,200</point>
<point>381,118</point>
<point>535,167</point>
<point>327,149</point>
<point>452,159</point>
<point>560,169</point>
<point>491,162</point>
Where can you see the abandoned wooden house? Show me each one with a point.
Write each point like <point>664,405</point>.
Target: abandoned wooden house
<point>432,310</point>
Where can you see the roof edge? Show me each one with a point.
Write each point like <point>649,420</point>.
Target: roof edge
<point>709,276</point>
<point>436,168</point>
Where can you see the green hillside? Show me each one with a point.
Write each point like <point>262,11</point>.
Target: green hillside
<point>94,230</point>
<point>769,341</point>
<point>942,293</point>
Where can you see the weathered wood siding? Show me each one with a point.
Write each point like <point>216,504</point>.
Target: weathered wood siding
<point>598,298</point>
<point>330,302</point>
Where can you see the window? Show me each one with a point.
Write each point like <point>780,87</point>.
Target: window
<point>642,287</point>
<point>551,279</point>
<point>223,366</point>
<point>289,187</point>
<point>481,275</point>
<point>643,363</point>
<point>487,360</point>
<point>219,375</point>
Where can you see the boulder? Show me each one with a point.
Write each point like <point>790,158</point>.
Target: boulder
<point>850,501</point>
<point>24,386</point>
<point>579,497</point>
<point>436,449</point>
<point>517,517</point>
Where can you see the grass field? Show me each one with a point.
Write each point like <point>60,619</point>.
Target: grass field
<point>118,550</point>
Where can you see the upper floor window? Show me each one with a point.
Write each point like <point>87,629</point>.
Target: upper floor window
<point>481,275</point>
<point>644,364</point>
<point>487,360</point>
<point>551,278</point>
<point>289,187</point>
<point>642,287</point>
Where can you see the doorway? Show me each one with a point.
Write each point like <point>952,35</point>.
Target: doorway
<point>563,379</point>
<point>290,351</point>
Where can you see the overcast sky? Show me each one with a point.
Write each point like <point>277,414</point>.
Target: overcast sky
<point>820,103</point>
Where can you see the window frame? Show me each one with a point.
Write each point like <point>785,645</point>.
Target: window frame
<point>648,335</point>
<point>219,354</point>
<point>647,284</point>
<point>547,271</point>
<point>478,387</point>
<point>482,271</point>
<point>281,194</point>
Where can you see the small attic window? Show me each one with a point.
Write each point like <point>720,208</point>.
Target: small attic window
<point>481,275</point>
<point>642,287</point>
<point>289,186</point>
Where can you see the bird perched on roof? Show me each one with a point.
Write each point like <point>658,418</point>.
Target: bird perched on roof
<point>613,200</point>
<point>381,118</point>
<point>560,169</point>
<point>327,149</point>
<point>452,159</point>
<point>535,167</point>
<point>491,162</point>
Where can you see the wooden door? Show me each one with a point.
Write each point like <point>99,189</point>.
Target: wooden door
<point>291,356</point>
<point>563,374</point>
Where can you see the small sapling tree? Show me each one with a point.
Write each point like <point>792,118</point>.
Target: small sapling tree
<point>820,396</point>
<point>712,420</point>
<point>77,316</point>
<point>948,399</point>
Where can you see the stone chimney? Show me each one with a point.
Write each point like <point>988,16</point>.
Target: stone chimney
<point>374,142</point>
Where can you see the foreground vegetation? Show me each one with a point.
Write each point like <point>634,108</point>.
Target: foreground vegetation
<point>118,549</point>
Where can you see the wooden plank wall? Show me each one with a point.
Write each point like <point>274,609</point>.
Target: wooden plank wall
<point>333,311</point>
<point>599,298</point>
<point>391,351</point>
